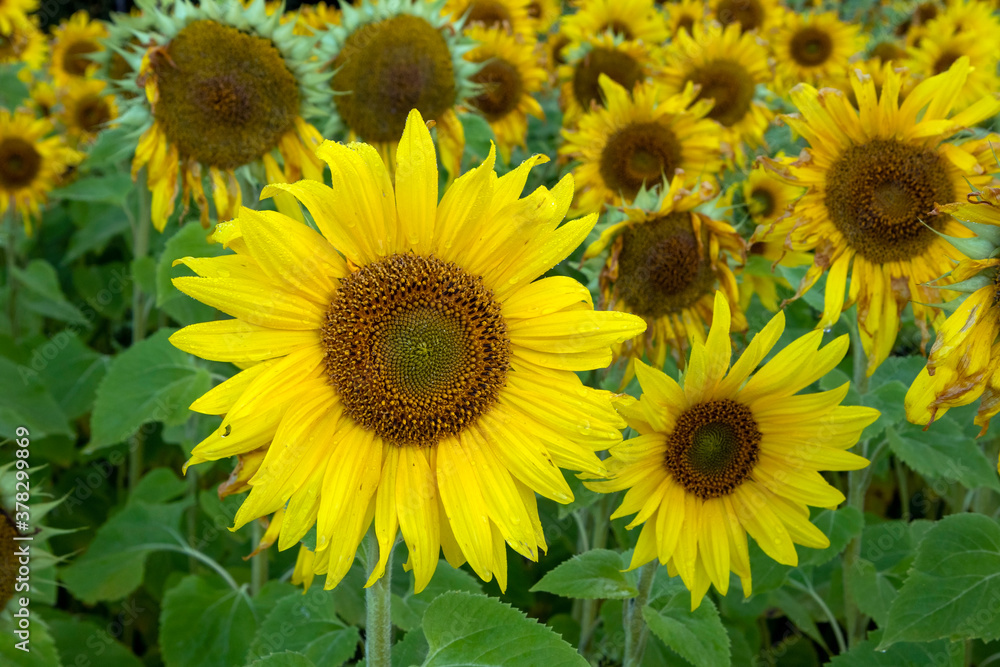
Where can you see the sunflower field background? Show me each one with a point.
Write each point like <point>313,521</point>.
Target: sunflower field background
<point>500,332</point>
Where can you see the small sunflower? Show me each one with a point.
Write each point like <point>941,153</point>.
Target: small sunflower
<point>727,454</point>
<point>31,163</point>
<point>24,43</point>
<point>873,176</point>
<point>813,48</point>
<point>393,56</point>
<point>76,42</point>
<point>964,362</point>
<point>226,89</point>
<point>543,14</point>
<point>665,263</point>
<point>14,14</point>
<point>683,16</point>
<point>87,109</point>
<point>510,16</point>
<point>509,78</point>
<point>727,64</point>
<point>44,98</point>
<point>640,139</point>
<point>314,19</point>
<point>939,50</point>
<point>751,15</point>
<point>955,17</point>
<point>409,368</point>
<point>630,20</point>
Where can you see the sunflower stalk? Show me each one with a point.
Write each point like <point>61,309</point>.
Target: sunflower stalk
<point>378,609</point>
<point>636,630</point>
<point>588,610</point>
<point>11,265</point>
<point>140,248</point>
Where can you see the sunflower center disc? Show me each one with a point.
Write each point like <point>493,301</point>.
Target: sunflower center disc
<point>619,67</point>
<point>502,86</point>
<point>879,195</point>
<point>661,267</point>
<point>713,448</point>
<point>416,347</point>
<point>945,61</point>
<point>730,85</point>
<point>75,60</point>
<point>619,28</point>
<point>390,67</point>
<point>763,201</point>
<point>811,47</point>
<point>19,162</point>
<point>489,14</point>
<point>639,153</point>
<point>226,97</point>
<point>92,113</point>
<point>748,13</point>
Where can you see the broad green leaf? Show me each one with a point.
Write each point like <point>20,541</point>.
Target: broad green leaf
<point>408,610</point>
<point>112,145</point>
<point>205,623</point>
<point>41,293</point>
<point>768,574</point>
<point>306,624</point>
<point>286,659</point>
<point>150,381</point>
<point>410,650</point>
<point>159,485</point>
<point>112,188</point>
<point>25,401</point>
<point>189,241</point>
<point>114,564</point>
<point>97,224</point>
<point>937,452</point>
<point>87,641</point>
<point>73,373</point>
<point>873,590</point>
<point>953,590</point>
<point>888,400</point>
<point>467,629</point>
<point>941,653</point>
<point>798,614</point>
<point>841,526</point>
<point>144,273</point>
<point>596,574</point>
<point>697,636</point>
<point>41,647</point>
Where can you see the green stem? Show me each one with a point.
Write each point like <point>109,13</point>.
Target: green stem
<point>588,611</point>
<point>808,589</point>
<point>636,630</point>
<point>11,258</point>
<point>258,563</point>
<point>140,248</point>
<point>904,489</point>
<point>378,624</point>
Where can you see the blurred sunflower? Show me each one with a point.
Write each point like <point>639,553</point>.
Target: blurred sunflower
<point>727,64</point>
<point>940,49</point>
<point>751,15</point>
<point>813,48</point>
<point>640,139</point>
<point>510,16</point>
<point>665,263</point>
<point>14,14</point>
<point>683,15</point>
<point>31,163</point>
<point>87,109</point>
<point>873,177</point>
<point>226,89</point>
<point>393,56</point>
<point>24,43</point>
<point>313,19</point>
<point>440,412</point>
<point>631,20</point>
<point>43,98</point>
<point>543,14</point>
<point>508,80</point>
<point>935,21</point>
<point>76,42</point>
<point>728,455</point>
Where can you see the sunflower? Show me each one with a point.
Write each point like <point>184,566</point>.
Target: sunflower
<point>509,77</point>
<point>627,63</point>
<point>511,16</point>
<point>683,15</point>
<point>724,456</point>
<point>14,14</point>
<point>727,64</point>
<point>24,43</point>
<point>44,98</point>
<point>938,50</point>
<point>813,48</point>
<point>543,14</point>
<point>751,15</point>
<point>408,366</point>
<point>955,17</point>
<point>314,19</point>
<point>640,139</point>
<point>393,56</point>
<point>31,163</point>
<point>964,362</point>
<point>226,89</point>
<point>665,263</point>
<point>87,109</point>
<point>873,176</point>
<point>75,44</point>
<point>631,20</point>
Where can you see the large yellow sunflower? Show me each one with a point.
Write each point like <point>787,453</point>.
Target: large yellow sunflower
<point>728,455</point>
<point>873,175</point>
<point>665,263</point>
<point>31,163</point>
<point>75,43</point>
<point>227,92</point>
<point>508,80</point>
<point>87,108</point>
<point>407,365</point>
<point>812,48</point>
<point>630,20</point>
<point>727,64</point>
<point>638,139</point>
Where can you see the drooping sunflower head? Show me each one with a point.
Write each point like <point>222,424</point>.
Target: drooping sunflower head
<point>813,47</point>
<point>224,89</point>
<point>407,366</point>
<point>87,108</point>
<point>729,454</point>
<point>76,44</point>
<point>31,163</point>
<point>639,140</point>
<point>394,56</point>
<point>665,261</point>
<point>751,15</point>
<point>510,16</point>
<point>874,175</point>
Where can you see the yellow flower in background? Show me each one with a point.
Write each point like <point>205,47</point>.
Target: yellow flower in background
<point>14,14</point>
<point>314,19</point>
<point>665,263</point>
<point>813,48</point>
<point>509,78</point>
<point>87,108</point>
<point>630,20</point>
<point>509,16</point>
<point>406,365</point>
<point>31,163</point>
<point>24,43</point>
<point>728,454</point>
<point>76,42</point>
<point>683,15</point>
<point>640,139</point>
<point>226,89</point>
<point>751,15</point>
<point>874,175</point>
<point>543,14</point>
<point>938,51</point>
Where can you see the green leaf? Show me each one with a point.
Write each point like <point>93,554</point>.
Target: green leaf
<point>159,485</point>
<point>410,650</point>
<point>97,224</point>
<point>112,145</point>
<point>873,590</point>
<point>205,623</point>
<point>937,452</point>
<point>42,294</point>
<point>798,614</point>
<point>73,373</point>
<point>24,401</point>
<point>91,640</point>
<point>953,590</point>
<point>841,526</point>
<point>408,610</point>
<point>41,646</point>
<point>307,624</point>
<point>286,659</point>
<point>114,564</point>
<point>941,653</point>
<point>697,636</point>
<point>768,574</point>
<point>466,629</point>
<point>150,381</point>
<point>596,574</point>
<point>112,188</point>
<point>144,273</point>
<point>189,241</point>
<point>888,400</point>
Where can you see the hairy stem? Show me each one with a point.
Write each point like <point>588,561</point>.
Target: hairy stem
<point>378,625</point>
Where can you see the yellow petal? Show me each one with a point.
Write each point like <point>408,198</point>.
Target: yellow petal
<point>416,183</point>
